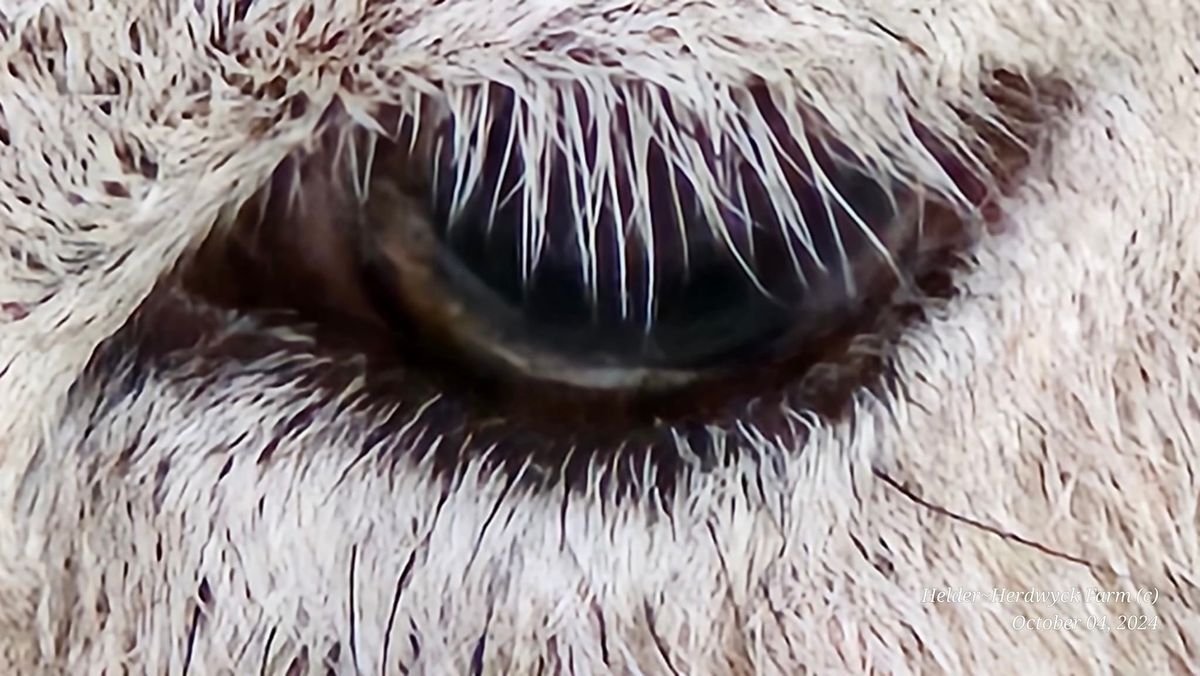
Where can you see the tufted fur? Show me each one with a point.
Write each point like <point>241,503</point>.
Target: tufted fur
<point>166,506</point>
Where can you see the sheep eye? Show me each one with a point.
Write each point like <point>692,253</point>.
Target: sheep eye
<point>581,280</point>
<point>605,265</point>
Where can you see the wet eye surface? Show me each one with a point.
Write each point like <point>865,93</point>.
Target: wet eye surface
<point>617,289</point>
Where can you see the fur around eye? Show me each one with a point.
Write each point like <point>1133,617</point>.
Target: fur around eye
<point>254,420</point>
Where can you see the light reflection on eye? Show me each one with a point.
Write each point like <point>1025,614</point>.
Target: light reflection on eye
<point>634,289</point>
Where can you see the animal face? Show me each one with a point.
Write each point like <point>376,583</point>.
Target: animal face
<point>504,336</point>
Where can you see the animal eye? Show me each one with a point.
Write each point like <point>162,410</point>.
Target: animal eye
<point>643,264</point>
<point>591,276</point>
<point>620,294</point>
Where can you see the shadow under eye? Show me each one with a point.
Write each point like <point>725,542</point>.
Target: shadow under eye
<point>647,346</point>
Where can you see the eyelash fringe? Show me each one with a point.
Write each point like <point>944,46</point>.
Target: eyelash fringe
<point>602,131</point>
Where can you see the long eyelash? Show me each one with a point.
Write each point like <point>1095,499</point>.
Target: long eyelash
<point>605,160</point>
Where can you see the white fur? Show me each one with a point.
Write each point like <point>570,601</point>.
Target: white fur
<point>1055,398</point>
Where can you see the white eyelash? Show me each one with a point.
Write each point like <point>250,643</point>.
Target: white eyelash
<point>546,132</point>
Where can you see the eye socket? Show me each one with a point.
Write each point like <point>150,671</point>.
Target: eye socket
<point>617,350</point>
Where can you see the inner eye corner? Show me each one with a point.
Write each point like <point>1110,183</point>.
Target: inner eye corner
<point>418,314</point>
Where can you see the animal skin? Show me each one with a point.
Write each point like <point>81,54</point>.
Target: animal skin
<point>195,477</point>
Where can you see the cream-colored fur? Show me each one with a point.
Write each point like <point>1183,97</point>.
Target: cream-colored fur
<point>1055,399</point>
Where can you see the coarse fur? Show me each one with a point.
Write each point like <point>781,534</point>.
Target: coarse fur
<point>172,508</point>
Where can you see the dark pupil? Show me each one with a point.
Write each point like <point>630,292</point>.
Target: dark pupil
<point>667,308</point>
